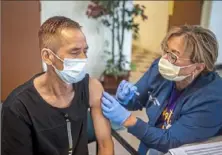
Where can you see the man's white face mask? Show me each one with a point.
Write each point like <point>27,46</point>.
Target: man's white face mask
<point>170,71</point>
<point>73,69</point>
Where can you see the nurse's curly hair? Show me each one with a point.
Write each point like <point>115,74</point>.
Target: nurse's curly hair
<point>49,32</point>
<point>200,42</point>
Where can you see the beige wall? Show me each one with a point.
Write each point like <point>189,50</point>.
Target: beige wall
<point>154,29</point>
<point>206,11</point>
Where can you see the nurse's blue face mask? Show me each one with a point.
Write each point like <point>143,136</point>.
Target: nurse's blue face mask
<point>73,69</point>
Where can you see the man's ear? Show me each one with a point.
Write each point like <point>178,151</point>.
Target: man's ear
<point>46,56</point>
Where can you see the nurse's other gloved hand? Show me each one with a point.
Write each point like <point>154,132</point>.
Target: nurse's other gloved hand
<point>125,92</point>
<point>113,110</point>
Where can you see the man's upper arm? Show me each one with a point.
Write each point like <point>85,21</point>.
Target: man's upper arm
<point>16,134</point>
<point>101,124</point>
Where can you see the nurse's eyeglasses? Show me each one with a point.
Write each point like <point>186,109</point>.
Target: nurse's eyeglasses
<point>172,57</point>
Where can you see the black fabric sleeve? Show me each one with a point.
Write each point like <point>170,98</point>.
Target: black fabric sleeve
<point>16,134</point>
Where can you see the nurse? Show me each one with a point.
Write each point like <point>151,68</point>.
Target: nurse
<point>181,92</point>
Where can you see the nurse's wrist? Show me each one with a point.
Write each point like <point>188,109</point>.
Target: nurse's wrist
<point>130,121</point>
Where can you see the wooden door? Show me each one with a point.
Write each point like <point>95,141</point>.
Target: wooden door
<point>20,55</point>
<point>186,12</point>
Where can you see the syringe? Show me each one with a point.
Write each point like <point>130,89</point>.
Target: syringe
<point>137,93</point>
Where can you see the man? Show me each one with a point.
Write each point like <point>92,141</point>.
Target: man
<point>48,114</point>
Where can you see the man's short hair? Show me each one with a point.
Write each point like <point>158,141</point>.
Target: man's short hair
<point>50,31</point>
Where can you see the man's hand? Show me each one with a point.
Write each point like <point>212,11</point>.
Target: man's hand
<point>101,124</point>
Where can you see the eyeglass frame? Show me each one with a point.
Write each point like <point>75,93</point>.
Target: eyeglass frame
<point>167,52</point>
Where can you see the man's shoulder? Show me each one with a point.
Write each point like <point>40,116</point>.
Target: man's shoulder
<point>95,91</point>
<point>22,90</point>
<point>14,99</point>
<point>95,83</point>
<point>13,103</point>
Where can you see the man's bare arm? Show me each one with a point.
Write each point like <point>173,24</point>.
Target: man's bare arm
<point>101,124</point>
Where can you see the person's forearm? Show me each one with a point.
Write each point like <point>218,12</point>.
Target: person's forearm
<point>107,148</point>
<point>152,137</point>
<point>131,121</point>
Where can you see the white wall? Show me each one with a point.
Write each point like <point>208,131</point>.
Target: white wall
<point>215,24</point>
<point>93,30</point>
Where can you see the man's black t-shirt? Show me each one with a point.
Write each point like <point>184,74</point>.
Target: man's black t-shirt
<point>30,126</point>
